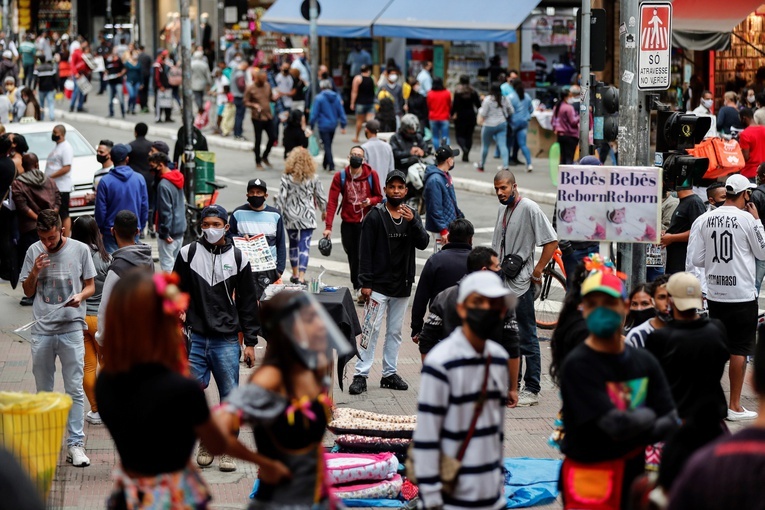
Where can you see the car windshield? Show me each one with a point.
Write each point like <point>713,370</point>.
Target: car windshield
<point>42,145</point>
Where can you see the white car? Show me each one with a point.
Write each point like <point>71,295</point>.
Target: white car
<point>84,166</point>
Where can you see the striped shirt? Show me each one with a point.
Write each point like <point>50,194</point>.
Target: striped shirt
<point>452,377</point>
<point>247,221</point>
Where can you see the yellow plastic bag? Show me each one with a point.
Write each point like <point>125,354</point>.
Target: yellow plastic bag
<point>32,428</point>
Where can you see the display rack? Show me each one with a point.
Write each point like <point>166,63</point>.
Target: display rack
<point>55,16</point>
<point>747,46</point>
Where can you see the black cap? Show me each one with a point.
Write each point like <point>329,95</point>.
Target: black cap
<point>444,152</point>
<point>395,174</point>
<point>161,146</point>
<point>257,183</point>
<point>215,211</point>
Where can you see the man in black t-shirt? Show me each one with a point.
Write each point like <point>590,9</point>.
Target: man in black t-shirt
<point>675,239</point>
<point>389,235</point>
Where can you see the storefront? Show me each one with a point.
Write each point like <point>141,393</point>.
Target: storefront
<point>738,66</point>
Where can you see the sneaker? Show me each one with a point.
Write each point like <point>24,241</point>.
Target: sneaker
<point>266,163</point>
<point>530,168</point>
<point>227,464</point>
<point>258,166</point>
<point>478,167</point>
<point>27,301</point>
<point>527,398</point>
<point>93,418</point>
<point>204,458</point>
<point>394,382</point>
<point>76,456</point>
<point>358,386</point>
<point>741,416</point>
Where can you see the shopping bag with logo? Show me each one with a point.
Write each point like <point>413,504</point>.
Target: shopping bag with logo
<point>729,156</point>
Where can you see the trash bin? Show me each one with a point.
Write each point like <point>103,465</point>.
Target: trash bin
<point>204,171</point>
<point>32,428</point>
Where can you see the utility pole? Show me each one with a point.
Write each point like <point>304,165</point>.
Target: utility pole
<point>109,20</point>
<point>220,49</point>
<point>188,101</point>
<point>313,14</point>
<point>6,18</point>
<point>584,59</point>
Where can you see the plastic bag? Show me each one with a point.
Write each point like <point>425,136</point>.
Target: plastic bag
<point>313,146</point>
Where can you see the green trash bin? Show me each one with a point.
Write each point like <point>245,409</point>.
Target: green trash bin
<point>204,171</point>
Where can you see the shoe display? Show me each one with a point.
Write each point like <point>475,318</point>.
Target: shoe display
<point>394,382</point>
<point>741,416</point>
<point>527,398</point>
<point>204,458</point>
<point>227,464</point>
<point>358,386</point>
<point>93,418</point>
<point>75,455</point>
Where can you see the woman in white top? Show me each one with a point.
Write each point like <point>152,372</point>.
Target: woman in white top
<point>493,115</point>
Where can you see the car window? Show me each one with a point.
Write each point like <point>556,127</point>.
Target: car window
<point>42,145</point>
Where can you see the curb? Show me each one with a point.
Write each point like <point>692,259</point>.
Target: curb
<point>460,183</point>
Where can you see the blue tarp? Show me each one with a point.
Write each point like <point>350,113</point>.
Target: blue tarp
<point>339,18</point>
<point>531,482</point>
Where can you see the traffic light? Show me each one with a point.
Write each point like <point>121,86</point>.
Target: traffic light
<point>605,113</point>
<point>677,132</point>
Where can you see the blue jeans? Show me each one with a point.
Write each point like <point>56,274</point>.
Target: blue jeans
<point>326,140</point>
<point>651,273</point>
<point>759,275</point>
<point>521,134</point>
<point>527,327</point>
<point>70,349</point>
<point>396,308</point>
<point>239,118</point>
<point>168,252</point>
<point>498,134</point>
<point>78,98</point>
<point>115,91</point>
<point>133,89</point>
<point>572,260</point>
<point>440,129</point>
<point>300,247</point>
<point>49,98</point>
<point>218,356</point>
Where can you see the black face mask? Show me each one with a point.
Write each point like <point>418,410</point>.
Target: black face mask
<point>395,201</point>
<point>101,158</point>
<point>356,161</point>
<point>718,204</point>
<point>484,322</point>
<point>55,138</point>
<point>60,242</point>
<point>637,317</point>
<point>256,202</point>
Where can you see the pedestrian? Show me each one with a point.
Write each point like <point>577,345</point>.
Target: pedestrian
<point>32,192</point>
<point>103,50</point>
<point>59,168</point>
<point>238,87</point>
<point>389,236</point>
<point>407,143</point>
<point>515,238</point>
<point>675,239</point>
<point>327,111</point>
<point>727,116</point>
<point>18,107</point>
<point>363,98</point>
<point>59,271</point>
<point>439,111</point>
<point>8,67</point>
<point>115,77</point>
<point>299,88</point>
<point>171,211</point>
<point>377,154</point>
<point>28,51</point>
<point>79,60</point>
<point>285,88</point>
<point>221,88</point>
<point>730,239</point>
<point>119,190</point>
<point>391,88</point>
<point>640,307</point>
<point>440,198</point>
<point>45,75</point>
<point>360,187</point>
<point>144,385</point>
<point>752,142</point>
<point>133,79</point>
<point>201,79</point>
<point>162,90</point>
<point>358,58</point>
<point>417,105</point>
<point>522,110</point>
<point>33,112</point>
<point>217,313</point>
<point>468,362</point>
<point>300,194</point>
<point>759,112</point>
<point>464,106</point>
<point>443,270</point>
<point>140,148</point>
<point>258,99</point>
<point>565,123</point>
<point>294,132</point>
<point>85,230</point>
<point>616,400</point>
<point>257,217</point>
<point>659,312</point>
<point>425,79</point>
<point>146,64</point>
<point>492,116</point>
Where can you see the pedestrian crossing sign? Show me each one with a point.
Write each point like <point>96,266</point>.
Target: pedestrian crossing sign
<point>655,35</point>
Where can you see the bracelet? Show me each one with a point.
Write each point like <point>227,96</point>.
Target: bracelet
<point>536,279</point>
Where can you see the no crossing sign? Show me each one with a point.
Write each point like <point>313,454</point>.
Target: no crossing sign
<point>655,36</point>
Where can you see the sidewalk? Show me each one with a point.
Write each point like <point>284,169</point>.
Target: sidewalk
<point>535,185</point>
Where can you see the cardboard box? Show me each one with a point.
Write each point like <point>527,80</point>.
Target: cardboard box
<point>539,139</point>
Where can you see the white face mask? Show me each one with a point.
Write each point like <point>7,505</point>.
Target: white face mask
<point>571,100</point>
<point>706,103</point>
<point>198,54</point>
<point>392,78</point>
<point>750,99</point>
<point>213,235</point>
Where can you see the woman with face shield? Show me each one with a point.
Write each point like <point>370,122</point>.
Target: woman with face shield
<point>287,403</point>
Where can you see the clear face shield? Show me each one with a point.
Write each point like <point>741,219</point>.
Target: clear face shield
<point>311,331</point>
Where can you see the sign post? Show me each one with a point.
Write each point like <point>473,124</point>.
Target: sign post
<point>655,55</point>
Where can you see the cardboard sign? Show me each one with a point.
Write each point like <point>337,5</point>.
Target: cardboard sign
<point>655,55</point>
<point>609,203</point>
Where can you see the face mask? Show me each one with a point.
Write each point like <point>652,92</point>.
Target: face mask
<point>285,72</point>
<point>213,235</point>
<point>356,161</point>
<point>395,201</point>
<point>101,158</point>
<point>451,167</point>
<point>718,204</point>
<point>198,54</point>
<point>664,317</point>
<point>256,202</point>
<point>55,138</point>
<point>392,78</point>
<point>484,322</point>
<point>60,242</point>
<point>706,103</point>
<point>604,322</point>
<point>571,100</point>
<point>510,200</point>
<point>750,99</point>
<point>638,317</point>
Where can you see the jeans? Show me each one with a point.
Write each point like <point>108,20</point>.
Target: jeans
<point>527,326</point>
<point>520,139</point>
<point>29,76</point>
<point>133,89</point>
<point>239,118</point>
<point>168,252</point>
<point>219,356</point>
<point>350,233</point>
<point>199,98</point>
<point>143,93</point>
<point>499,135</point>
<point>759,275</point>
<point>651,273</point>
<point>78,98</point>
<point>102,84</point>
<point>396,308</point>
<point>440,129</point>
<point>300,247</point>
<point>49,98</point>
<point>509,140</point>
<point>259,126</point>
<point>70,349</point>
<point>115,91</point>
<point>573,259</point>
<point>326,139</point>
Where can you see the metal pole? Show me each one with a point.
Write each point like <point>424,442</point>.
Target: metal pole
<point>6,18</point>
<point>188,99</point>
<point>198,23</point>
<point>313,14</point>
<point>584,59</point>
<point>220,51</point>
<point>109,20</point>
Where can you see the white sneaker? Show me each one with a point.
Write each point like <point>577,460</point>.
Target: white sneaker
<point>742,416</point>
<point>76,455</point>
<point>93,418</point>
<point>527,398</point>
<point>530,168</point>
<point>204,458</point>
<point>227,464</point>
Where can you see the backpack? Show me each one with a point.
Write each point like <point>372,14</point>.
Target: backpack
<point>175,76</point>
<point>343,177</point>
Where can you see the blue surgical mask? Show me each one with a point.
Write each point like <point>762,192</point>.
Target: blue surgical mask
<point>604,322</point>
<point>510,200</point>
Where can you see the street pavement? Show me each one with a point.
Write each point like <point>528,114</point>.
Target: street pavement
<point>526,429</point>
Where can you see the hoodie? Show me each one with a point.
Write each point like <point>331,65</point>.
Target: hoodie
<point>121,189</point>
<point>123,261</point>
<point>33,191</point>
<point>354,192</point>
<point>171,210</point>
<point>440,200</point>
<point>328,111</point>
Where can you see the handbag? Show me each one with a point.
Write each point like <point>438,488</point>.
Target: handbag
<point>512,263</point>
<point>449,467</point>
<point>165,98</point>
<point>313,146</point>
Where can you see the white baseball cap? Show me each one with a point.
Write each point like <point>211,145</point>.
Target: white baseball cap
<point>685,290</point>
<point>483,283</point>
<point>737,183</point>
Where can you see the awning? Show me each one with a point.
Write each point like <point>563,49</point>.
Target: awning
<point>707,24</point>
<point>339,18</point>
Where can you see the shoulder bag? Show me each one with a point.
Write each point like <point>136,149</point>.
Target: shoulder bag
<point>512,263</point>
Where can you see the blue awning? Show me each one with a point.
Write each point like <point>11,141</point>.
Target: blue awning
<point>339,18</point>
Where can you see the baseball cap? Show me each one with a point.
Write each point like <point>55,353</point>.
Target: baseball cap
<point>395,174</point>
<point>7,54</point>
<point>483,283</point>
<point>605,282</point>
<point>444,152</point>
<point>215,211</point>
<point>590,161</point>
<point>373,125</point>
<point>685,290</point>
<point>257,183</point>
<point>120,152</point>
<point>161,146</point>
<point>737,183</point>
